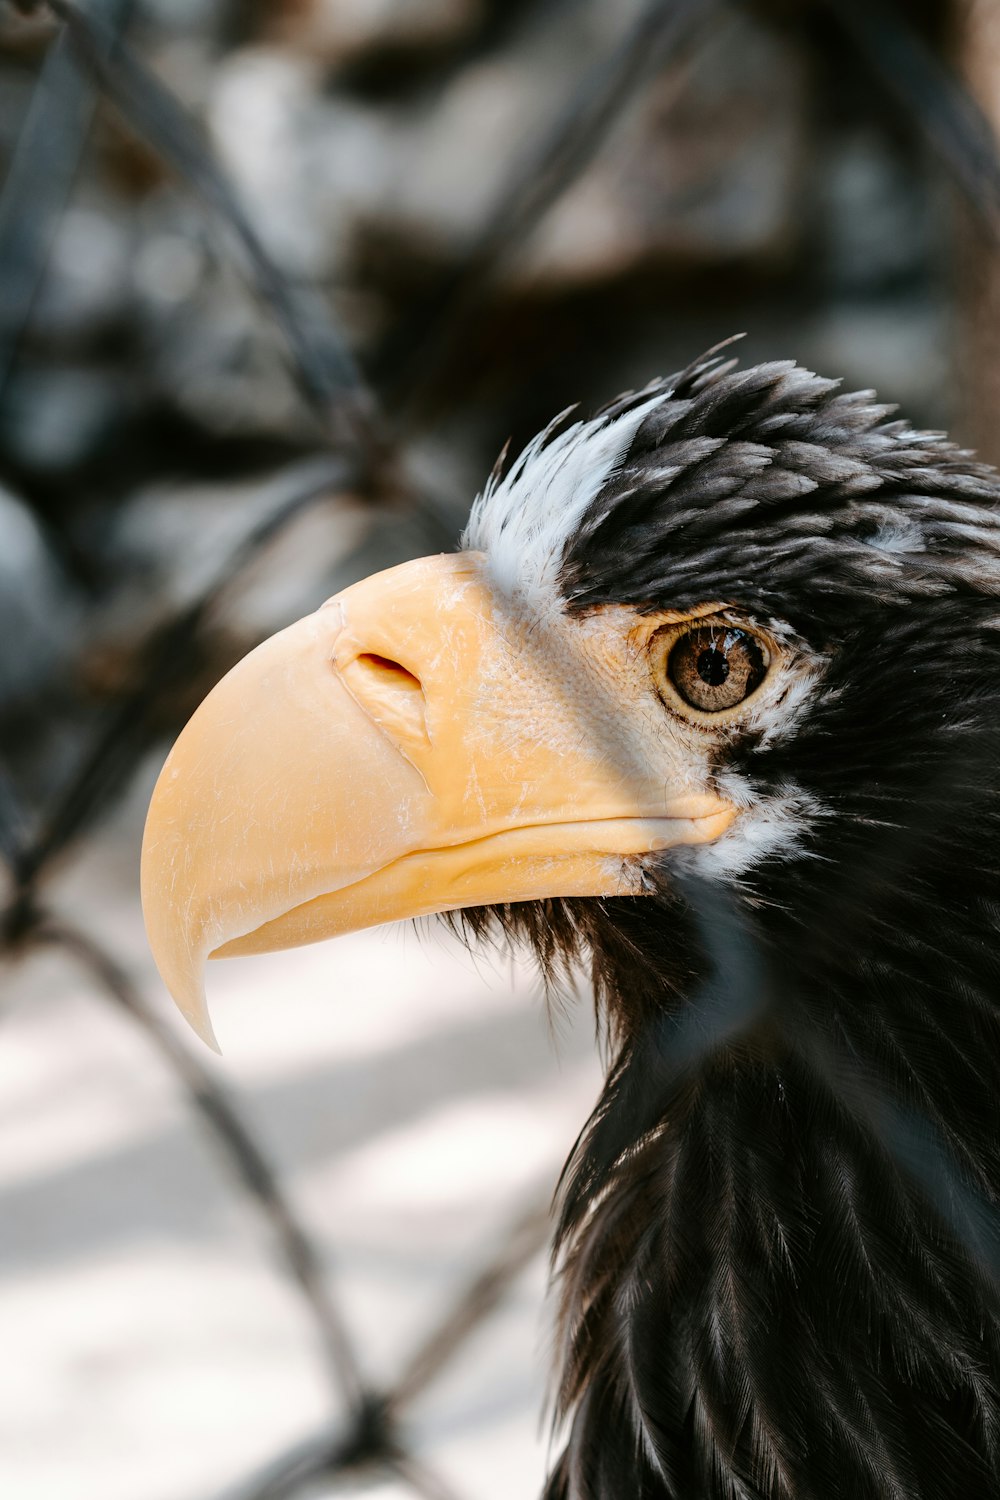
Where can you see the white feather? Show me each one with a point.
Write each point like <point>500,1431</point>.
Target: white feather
<point>775,822</point>
<point>524,523</point>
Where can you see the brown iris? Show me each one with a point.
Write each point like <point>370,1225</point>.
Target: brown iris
<point>715,667</point>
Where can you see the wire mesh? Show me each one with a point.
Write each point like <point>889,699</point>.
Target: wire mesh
<point>361,454</point>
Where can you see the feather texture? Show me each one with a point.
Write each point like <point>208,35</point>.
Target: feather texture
<point>779,1233</point>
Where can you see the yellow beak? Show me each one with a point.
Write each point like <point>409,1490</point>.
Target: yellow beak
<point>412,747</point>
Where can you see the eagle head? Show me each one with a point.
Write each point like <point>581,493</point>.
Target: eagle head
<point>710,696</point>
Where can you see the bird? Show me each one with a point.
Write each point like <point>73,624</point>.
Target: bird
<point>708,702</point>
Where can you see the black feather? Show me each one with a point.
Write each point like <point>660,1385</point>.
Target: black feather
<point>779,1233</point>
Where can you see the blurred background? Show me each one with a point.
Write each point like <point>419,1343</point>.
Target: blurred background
<point>277,282</point>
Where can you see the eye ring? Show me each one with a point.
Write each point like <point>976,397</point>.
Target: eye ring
<point>709,668</point>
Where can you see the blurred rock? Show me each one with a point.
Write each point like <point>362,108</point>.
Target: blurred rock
<point>703,169</point>
<point>52,421</point>
<point>460,143</point>
<point>873,230</point>
<point>15,92</point>
<point>39,607</point>
<point>221,364</point>
<point>199,16</point>
<point>86,284</point>
<point>341,31</point>
<point>172,541</point>
<point>25,35</point>
<point>306,166</point>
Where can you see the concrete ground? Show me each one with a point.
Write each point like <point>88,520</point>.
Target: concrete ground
<point>412,1096</point>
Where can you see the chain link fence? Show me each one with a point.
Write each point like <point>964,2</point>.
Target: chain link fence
<point>364,438</point>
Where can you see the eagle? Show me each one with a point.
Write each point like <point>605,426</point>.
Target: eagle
<point>708,700</point>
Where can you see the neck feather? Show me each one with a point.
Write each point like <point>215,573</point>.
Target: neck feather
<point>779,1240</point>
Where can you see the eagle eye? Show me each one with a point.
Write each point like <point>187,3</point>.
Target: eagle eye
<point>714,667</point>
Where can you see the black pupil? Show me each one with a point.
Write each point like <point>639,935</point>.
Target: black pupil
<point>713,666</point>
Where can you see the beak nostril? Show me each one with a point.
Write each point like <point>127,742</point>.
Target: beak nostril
<point>392,673</point>
<point>391,695</point>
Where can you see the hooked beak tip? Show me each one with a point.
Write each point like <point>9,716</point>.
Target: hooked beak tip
<point>202,1026</point>
<point>190,1001</point>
